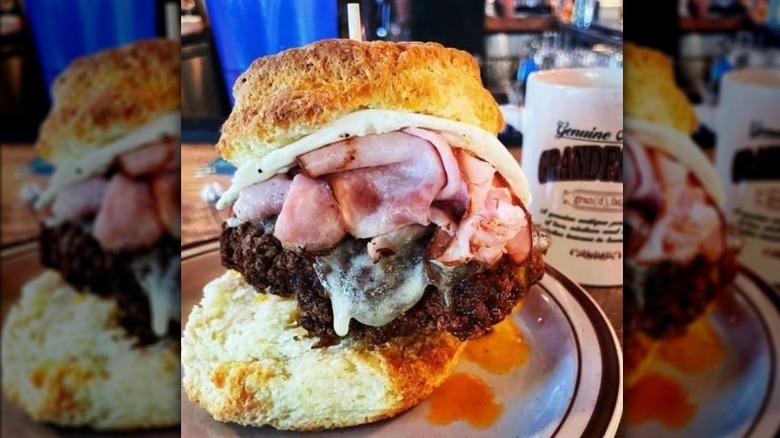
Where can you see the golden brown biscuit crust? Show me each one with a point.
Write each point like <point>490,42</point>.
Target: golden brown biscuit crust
<point>247,360</point>
<point>284,97</point>
<point>104,96</point>
<point>651,93</point>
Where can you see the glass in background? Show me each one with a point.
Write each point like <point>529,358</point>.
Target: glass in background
<point>748,50</point>
<point>245,30</point>
<point>554,50</point>
<point>66,30</point>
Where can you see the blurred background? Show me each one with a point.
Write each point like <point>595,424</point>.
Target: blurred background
<point>38,39</point>
<point>705,39</point>
<point>509,38</point>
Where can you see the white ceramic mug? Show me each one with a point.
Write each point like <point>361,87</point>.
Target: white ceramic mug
<point>747,157</point>
<point>572,126</point>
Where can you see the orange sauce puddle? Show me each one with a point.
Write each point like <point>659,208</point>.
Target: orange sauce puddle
<point>695,351</point>
<point>464,397</point>
<point>501,351</point>
<point>467,397</point>
<point>657,397</point>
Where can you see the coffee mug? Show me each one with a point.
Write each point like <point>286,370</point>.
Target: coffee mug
<point>572,126</point>
<point>747,157</point>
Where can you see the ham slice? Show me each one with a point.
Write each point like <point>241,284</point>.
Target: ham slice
<point>360,153</point>
<point>153,158</point>
<point>310,218</point>
<point>378,200</point>
<point>455,188</point>
<point>443,220</point>
<point>689,224</point>
<point>492,226</point>
<point>262,200</point>
<point>396,147</point>
<point>80,200</point>
<point>127,220</point>
<point>166,189</point>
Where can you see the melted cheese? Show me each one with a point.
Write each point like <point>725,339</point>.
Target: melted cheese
<point>97,162</point>
<point>373,294</point>
<point>161,289</point>
<point>377,293</point>
<point>373,121</point>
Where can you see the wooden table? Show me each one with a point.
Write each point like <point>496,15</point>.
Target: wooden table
<point>200,221</point>
<point>19,221</point>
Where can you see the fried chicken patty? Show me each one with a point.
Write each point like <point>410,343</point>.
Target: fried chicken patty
<point>71,250</point>
<point>476,301</point>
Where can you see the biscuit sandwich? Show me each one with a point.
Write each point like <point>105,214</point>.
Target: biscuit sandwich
<point>680,251</point>
<point>377,223</point>
<point>94,340</point>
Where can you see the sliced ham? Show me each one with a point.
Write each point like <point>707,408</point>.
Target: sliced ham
<point>455,188</point>
<point>519,248</point>
<point>492,224</point>
<point>640,183</point>
<point>128,219</point>
<point>479,179</point>
<point>386,149</point>
<point>166,189</point>
<point>360,153</point>
<point>443,220</point>
<point>310,218</point>
<point>153,158</point>
<point>378,200</point>
<point>390,242</point>
<point>80,200</point>
<point>262,200</point>
<point>689,224</point>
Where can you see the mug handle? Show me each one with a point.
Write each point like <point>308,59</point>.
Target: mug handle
<point>513,116</point>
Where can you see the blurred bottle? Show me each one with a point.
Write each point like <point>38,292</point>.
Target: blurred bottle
<point>583,13</point>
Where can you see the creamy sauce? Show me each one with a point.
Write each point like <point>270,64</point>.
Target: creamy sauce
<point>97,161</point>
<point>467,398</point>
<point>373,121</point>
<point>655,397</point>
<point>696,351</point>
<point>161,289</point>
<point>501,351</point>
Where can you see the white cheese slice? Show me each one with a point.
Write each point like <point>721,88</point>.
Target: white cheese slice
<point>374,121</point>
<point>682,147</point>
<point>96,162</point>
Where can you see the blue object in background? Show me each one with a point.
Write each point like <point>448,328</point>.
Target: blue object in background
<point>65,30</point>
<point>526,68</point>
<point>245,30</point>
<point>222,167</point>
<point>773,14</point>
<point>39,166</point>
<point>720,67</point>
